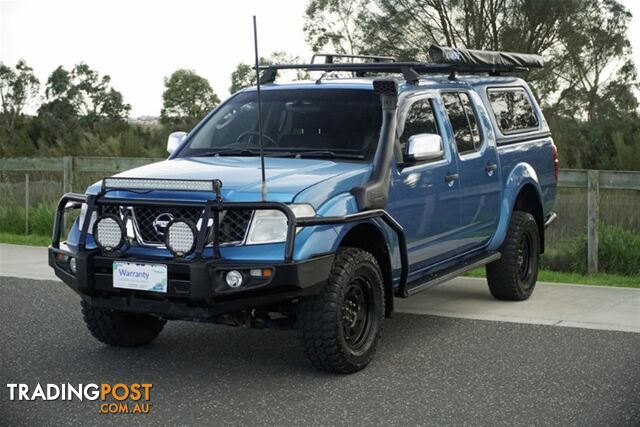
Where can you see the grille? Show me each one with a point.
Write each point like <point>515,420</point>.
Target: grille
<point>233,223</point>
<point>154,233</point>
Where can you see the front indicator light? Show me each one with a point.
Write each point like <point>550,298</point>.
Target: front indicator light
<point>261,272</point>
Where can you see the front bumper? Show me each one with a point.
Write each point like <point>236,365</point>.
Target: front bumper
<point>196,289</point>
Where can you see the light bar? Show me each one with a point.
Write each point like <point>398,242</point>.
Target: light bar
<point>161,184</point>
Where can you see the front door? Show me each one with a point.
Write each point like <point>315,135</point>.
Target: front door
<point>424,196</point>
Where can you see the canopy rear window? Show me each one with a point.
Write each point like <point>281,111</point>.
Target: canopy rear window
<point>513,110</point>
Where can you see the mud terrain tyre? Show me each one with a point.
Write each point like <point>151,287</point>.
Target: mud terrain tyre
<point>340,327</point>
<point>121,329</point>
<point>513,277</point>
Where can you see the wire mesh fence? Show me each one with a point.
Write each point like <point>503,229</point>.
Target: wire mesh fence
<point>30,189</point>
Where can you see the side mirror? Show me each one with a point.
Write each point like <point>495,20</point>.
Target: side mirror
<point>174,141</point>
<point>425,146</point>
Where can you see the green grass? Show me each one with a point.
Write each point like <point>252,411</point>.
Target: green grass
<point>40,219</point>
<point>600,279</point>
<point>21,239</point>
<point>618,253</point>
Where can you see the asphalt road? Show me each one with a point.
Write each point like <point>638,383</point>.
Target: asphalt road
<point>428,370</point>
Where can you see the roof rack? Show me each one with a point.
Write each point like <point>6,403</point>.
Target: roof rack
<point>446,60</point>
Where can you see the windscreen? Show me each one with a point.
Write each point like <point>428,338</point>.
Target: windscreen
<point>323,123</point>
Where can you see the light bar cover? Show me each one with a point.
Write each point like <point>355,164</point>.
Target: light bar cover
<point>160,184</point>
<point>484,58</point>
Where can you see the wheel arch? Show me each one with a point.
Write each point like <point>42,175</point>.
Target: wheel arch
<point>368,236</point>
<point>522,192</point>
<point>528,200</point>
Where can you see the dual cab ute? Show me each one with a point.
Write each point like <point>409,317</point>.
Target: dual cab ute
<point>313,204</point>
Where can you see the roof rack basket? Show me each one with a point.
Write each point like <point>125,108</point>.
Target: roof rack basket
<point>329,58</point>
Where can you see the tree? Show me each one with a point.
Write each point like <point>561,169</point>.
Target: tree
<point>77,101</point>
<point>187,98</point>
<point>84,93</point>
<point>18,86</point>
<point>91,94</point>
<point>244,75</point>
<point>584,41</point>
<point>599,76</point>
<point>333,24</point>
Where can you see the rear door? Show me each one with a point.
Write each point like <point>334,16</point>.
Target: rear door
<point>477,159</point>
<point>421,199</point>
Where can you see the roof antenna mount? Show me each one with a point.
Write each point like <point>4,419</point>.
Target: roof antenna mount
<point>260,136</point>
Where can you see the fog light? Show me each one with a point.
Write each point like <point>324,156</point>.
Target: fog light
<point>108,232</point>
<point>180,237</point>
<point>234,279</point>
<point>72,265</point>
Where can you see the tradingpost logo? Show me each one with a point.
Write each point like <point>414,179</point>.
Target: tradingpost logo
<point>112,398</point>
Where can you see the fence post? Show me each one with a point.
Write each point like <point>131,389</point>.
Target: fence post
<point>67,181</point>
<point>593,213</point>
<point>26,203</point>
<point>67,177</point>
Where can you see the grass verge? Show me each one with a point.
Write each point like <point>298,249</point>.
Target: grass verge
<point>21,239</point>
<point>599,279</point>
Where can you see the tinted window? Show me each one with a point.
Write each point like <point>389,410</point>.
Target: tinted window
<point>342,121</point>
<point>463,121</point>
<point>513,110</point>
<point>419,120</point>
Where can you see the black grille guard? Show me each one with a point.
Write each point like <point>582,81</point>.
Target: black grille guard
<point>213,207</point>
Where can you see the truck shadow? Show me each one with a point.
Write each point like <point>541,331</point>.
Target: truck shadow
<point>202,352</point>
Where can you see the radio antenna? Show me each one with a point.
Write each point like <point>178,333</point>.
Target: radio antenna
<point>260,136</point>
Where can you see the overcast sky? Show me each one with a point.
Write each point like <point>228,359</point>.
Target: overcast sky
<point>139,42</point>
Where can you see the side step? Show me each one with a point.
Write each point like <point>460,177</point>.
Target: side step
<point>439,277</point>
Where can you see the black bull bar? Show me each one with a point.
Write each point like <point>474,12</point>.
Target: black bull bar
<point>211,210</point>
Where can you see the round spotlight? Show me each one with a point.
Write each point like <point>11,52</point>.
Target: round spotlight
<point>180,237</point>
<point>73,265</point>
<point>234,279</point>
<point>108,232</point>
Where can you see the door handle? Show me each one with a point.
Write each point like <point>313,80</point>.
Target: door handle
<point>451,178</point>
<point>490,168</point>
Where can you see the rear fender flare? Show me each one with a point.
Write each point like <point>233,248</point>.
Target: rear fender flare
<point>522,174</point>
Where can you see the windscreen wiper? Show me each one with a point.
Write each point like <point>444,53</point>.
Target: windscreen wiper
<point>327,153</point>
<point>230,152</point>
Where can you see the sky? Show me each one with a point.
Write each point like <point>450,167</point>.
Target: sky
<point>139,42</point>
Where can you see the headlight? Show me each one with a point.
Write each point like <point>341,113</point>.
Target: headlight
<point>270,226</point>
<point>83,214</point>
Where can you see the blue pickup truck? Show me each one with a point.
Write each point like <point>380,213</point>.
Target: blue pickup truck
<point>312,204</point>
